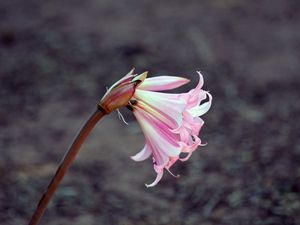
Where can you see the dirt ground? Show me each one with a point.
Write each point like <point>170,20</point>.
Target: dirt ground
<point>56,59</point>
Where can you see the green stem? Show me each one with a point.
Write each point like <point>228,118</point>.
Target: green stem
<point>65,164</point>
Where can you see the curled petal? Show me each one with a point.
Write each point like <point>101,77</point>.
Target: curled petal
<point>159,175</point>
<point>161,83</point>
<point>196,95</point>
<point>187,157</point>
<point>171,162</point>
<point>143,154</point>
<point>201,109</point>
<point>190,147</point>
<point>201,81</point>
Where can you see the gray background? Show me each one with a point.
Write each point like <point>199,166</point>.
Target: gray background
<point>57,57</point>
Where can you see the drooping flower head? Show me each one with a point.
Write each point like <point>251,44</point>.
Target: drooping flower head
<point>170,122</point>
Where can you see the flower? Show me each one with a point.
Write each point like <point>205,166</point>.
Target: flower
<point>170,122</point>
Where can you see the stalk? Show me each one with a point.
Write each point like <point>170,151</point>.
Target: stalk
<point>66,163</point>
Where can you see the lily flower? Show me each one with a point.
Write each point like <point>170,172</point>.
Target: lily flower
<point>170,122</point>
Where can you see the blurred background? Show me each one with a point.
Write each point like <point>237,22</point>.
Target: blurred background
<point>56,59</point>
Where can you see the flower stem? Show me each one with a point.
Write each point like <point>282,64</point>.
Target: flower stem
<point>65,164</point>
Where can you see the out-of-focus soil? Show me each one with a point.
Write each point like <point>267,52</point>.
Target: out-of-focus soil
<point>56,59</point>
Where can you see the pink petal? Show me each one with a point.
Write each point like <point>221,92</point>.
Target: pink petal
<point>187,157</point>
<point>163,83</point>
<point>196,95</point>
<point>157,179</point>
<point>196,125</point>
<point>156,133</point>
<point>164,103</point>
<point>163,117</point>
<point>184,135</point>
<point>193,146</point>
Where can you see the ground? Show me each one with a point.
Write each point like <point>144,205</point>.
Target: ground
<point>58,57</point>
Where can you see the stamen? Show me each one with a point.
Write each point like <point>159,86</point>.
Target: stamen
<point>176,176</point>
<point>203,144</point>
<point>121,117</point>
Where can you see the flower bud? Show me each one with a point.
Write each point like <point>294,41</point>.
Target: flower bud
<point>120,93</point>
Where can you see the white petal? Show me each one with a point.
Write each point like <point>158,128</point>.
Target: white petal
<point>130,73</point>
<point>162,83</point>
<point>201,109</point>
<point>201,81</point>
<point>143,154</point>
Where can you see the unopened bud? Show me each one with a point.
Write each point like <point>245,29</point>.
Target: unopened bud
<point>120,93</point>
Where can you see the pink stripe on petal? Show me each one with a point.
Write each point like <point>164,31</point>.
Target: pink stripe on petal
<point>172,108</point>
<point>176,130</point>
<point>161,143</point>
<point>156,113</point>
<point>161,83</point>
<point>162,139</point>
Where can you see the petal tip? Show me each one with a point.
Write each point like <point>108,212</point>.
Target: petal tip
<point>140,77</point>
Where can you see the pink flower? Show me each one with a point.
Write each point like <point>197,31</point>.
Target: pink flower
<point>170,122</point>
